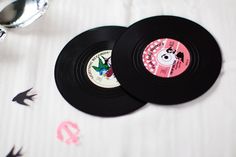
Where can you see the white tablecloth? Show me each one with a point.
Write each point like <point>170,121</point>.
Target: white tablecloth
<point>204,127</point>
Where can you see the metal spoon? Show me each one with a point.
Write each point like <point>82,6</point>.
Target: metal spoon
<point>20,13</point>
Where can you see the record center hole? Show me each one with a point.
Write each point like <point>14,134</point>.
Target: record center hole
<point>166,57</point>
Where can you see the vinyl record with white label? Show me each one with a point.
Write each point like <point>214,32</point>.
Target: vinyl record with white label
<point>85,78</point>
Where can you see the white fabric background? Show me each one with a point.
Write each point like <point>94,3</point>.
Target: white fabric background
<point>204,127</point>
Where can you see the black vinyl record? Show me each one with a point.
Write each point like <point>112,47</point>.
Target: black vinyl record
<point>166,60</point>
<point>85,78</point>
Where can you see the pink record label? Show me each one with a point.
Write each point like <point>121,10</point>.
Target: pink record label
<point>166,58</point>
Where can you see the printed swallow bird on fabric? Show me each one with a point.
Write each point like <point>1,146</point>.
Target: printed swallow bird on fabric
<point>11,153</point>
<point>2,33</point>
<point>21,97</point>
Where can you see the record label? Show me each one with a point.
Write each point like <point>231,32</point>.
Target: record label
<point>166,58</point>
<point>164,54</point>
<point>100,72</point>
<point>84,74</point>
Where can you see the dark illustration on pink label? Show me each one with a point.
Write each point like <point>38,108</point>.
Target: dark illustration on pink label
<point>68,132</point>
<point>166,58</point>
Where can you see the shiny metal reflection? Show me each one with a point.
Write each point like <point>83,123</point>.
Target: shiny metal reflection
<point>20,13</point>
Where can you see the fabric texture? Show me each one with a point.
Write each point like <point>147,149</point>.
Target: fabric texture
<point>204,127</point>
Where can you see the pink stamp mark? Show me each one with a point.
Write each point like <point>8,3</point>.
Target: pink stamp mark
<point>68,132</point>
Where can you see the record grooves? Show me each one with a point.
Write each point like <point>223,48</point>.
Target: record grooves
<point>163,60</point>
<point>85,78</point>
<point>169,60</point>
